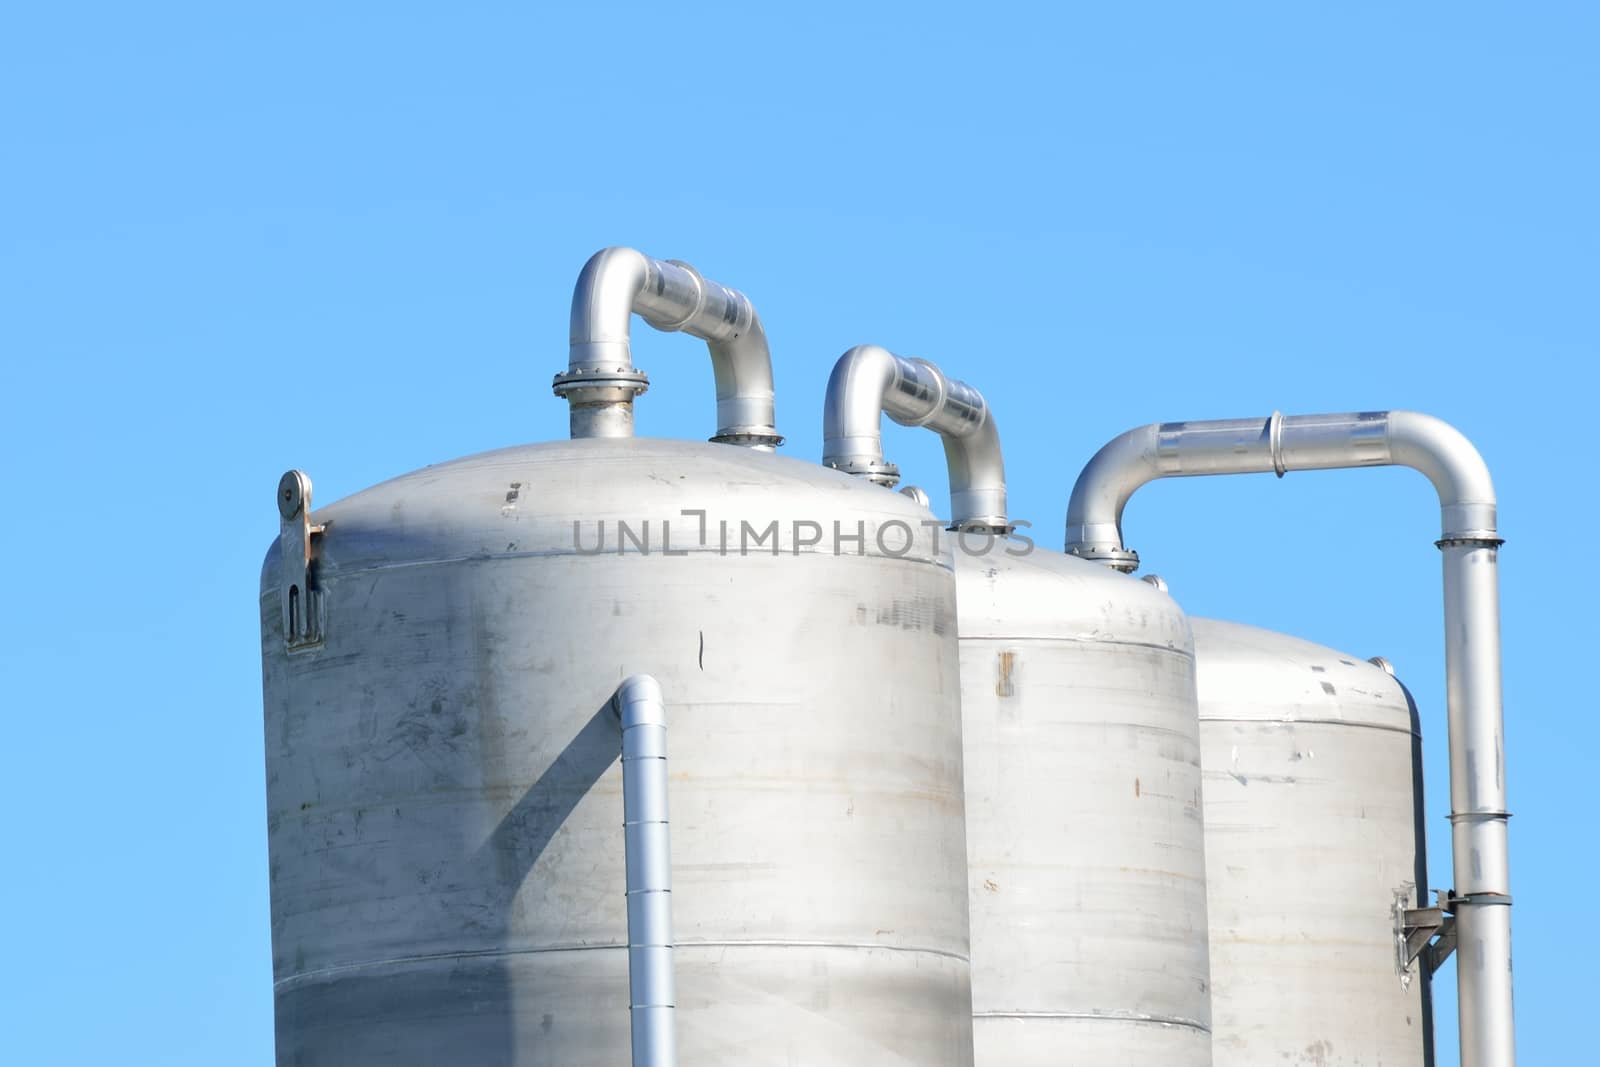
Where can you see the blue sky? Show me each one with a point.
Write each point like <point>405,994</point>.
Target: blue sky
<point>343,237</point>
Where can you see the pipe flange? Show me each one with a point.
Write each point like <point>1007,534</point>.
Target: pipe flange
<point>1471,538</point>
<point>626,379</point>
<point>984,524</point>
<point>881,473</point>
<point>749,437</point>
<point>1125,560</point>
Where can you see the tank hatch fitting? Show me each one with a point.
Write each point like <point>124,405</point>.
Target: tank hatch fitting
<point>302,600</point>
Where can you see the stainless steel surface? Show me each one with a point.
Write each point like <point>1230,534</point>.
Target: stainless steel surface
<point>443,783</point>
<point>601,382</point>
<point>1470,545</point>
<point>1478,802</point>
<point>1084,831</point>
<point>869,381</point>
<point>641,713</point>
<point>1313,836</point>
<point>1084,838</point>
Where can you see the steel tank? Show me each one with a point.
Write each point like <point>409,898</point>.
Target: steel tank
<point>444,796</point>
<point>1084,835</point>
<point>1313,786</point>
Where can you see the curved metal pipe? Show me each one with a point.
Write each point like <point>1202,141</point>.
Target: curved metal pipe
<point>1470,543</point>
<point>869,381</point>
<point>652,998</point>
<point>1278,444</point>
<point>600,381</point>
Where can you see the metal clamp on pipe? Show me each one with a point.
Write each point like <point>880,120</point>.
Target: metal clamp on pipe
<point>1470,543</point>
<point>868,382</point>
<point>601,382</point>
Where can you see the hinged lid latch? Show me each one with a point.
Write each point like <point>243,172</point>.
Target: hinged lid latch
<point>302,602</point>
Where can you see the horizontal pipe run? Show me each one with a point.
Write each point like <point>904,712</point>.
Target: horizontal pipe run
<point>1278,444</point>
<point>868,382</point>
<point>601,382</point>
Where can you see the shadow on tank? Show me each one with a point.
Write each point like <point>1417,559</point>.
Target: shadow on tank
<point>1423,889</point>
<point>496,1032</point>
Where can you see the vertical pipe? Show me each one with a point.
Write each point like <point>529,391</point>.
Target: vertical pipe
<point>651,995</point>
<point>1478,802</point>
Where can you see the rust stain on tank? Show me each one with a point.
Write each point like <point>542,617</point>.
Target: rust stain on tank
<point>1002,682</point>
<point>1136,787</point>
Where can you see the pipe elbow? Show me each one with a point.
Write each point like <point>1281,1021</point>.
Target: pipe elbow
<point>601,382</point>
<point>978,477</point>
<point>639,702</point>
<point>746,397</point>
<point>852,433</point>
<point>868,382</point>
<point>1103,489</point>
<point>602,304</point>
<point>1459,475</point>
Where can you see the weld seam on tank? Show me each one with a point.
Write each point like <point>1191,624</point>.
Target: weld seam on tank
<point>1090,640</point>
<point>868,382</point>
<point>1316,722</point>
<point>331,578</point>
<point>601,382</point>
<point>291,980</point>
<point>319,973</point>
<point>1096,1016</point>
<point>850,945</point>
<point>1469,541</point>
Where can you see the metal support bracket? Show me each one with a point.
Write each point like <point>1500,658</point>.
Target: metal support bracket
<point>1426,934</point>
<point>302,601</point>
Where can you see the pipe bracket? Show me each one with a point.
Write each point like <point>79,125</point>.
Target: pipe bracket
<point>1425,935</point>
